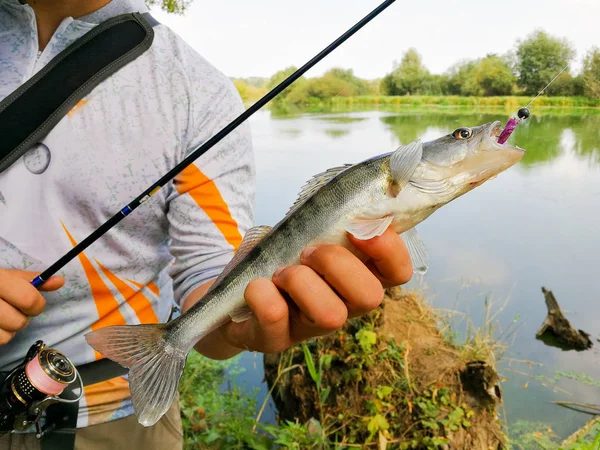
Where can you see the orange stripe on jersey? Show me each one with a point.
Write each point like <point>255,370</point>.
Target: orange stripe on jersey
<point>137,300</point>
<point>205,193</point>
<point>106,304</point>
<point>152,286</point>
<point>80,104</point>
<point>103,399</point>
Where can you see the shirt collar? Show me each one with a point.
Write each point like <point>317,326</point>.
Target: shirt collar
<point>114,8</point>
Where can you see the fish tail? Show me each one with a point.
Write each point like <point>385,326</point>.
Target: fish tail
<point>155,366</point>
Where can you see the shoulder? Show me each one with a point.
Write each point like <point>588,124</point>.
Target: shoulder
<point>206,84</point>
<point>211,99</point>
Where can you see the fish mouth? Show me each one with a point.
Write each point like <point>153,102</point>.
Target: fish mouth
<point>493,133</point>
<point>493,156</point>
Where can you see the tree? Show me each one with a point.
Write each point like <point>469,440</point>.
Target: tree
<point>564,85</point>
<point>172,6</point>
<point>407,77</point>
<point>495,76</point>
<point>387,85</point>
<point>279,77</point>
<point>539,58</point>
<point>334,83</point>
<point>579,86</point>
<point>358,85</point>
<point>435,85</point>
<point>461,79</point>
<point>591,73</point>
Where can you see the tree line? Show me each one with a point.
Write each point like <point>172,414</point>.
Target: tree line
<point>523,71</point>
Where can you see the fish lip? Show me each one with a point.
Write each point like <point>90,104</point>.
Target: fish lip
<point>495,129</point>
<point>493,132</point>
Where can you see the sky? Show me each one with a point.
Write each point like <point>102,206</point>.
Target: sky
<point>245,38</point>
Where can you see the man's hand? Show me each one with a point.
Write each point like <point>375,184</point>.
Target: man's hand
<point>328,287</point>
<point>19,300</point>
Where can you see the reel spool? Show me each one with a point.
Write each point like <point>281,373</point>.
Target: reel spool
<point>33,386</point>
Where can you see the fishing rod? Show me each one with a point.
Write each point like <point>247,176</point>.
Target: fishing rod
<point>144,196</point>
<point>523,113</point>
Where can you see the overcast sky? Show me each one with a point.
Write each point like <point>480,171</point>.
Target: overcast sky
<point>246,38</point>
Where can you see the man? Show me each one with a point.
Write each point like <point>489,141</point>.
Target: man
<point>123,136</point>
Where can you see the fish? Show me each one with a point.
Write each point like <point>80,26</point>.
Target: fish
<point>399,189</point>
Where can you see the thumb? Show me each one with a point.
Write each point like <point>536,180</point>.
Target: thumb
<point>55,282</point>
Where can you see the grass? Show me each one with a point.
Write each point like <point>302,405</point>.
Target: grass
<point>539,436</point>
<point>387,380</point>
<point>513,102</point>
<point>216,418</point>
<point>348,104</point>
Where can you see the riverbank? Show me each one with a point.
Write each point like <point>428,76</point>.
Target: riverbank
<point>393,379</point>
<point>377,101</point>
<point>436,105</point>
<point>428,100</point>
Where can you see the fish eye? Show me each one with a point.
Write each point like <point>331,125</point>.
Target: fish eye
<point>462,133</point>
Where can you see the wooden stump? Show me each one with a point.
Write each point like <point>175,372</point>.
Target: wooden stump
<point>556,330</point>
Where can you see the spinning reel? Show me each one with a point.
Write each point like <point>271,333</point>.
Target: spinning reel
<point>34,385</point>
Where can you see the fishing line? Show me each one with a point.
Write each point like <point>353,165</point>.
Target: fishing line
<point>552,81</point>
<point>523,113</point>
<point>144,196</point>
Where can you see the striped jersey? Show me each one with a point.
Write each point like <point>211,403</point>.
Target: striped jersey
<point>122,137</point>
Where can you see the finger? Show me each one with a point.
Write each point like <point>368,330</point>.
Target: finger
<point>6,336</point>
<point>268,329</point>
<point>321,309</point>
<point>389,257</point>
<point>55,282</point>
<point>18,292</point>
<point>11,319</point>
<point>354,282</point>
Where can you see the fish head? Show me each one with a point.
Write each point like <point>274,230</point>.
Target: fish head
<point>468,157</point>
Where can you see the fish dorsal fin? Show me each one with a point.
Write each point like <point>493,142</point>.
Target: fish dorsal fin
<point>315,183</point>
<point>251,239</point>
<point>404,161</point>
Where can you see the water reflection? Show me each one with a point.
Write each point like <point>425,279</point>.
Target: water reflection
<point>291,132</point>
<point>336,133</point>
<point>340,119</point>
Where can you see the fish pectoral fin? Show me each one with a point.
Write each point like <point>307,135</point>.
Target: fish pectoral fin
<point>251,239</point>
<point>240,314</point>
<point>417,250</point>
<point>155,366</point>
<point>364,229</point>
<point>433,187</point>
<point>404,161</point>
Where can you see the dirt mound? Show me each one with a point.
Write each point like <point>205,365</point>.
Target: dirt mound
<point>390,380</point>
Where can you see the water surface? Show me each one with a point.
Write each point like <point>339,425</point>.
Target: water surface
<point>535,225</point>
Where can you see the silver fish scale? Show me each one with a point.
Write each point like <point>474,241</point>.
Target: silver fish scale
<point>312,222</point>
